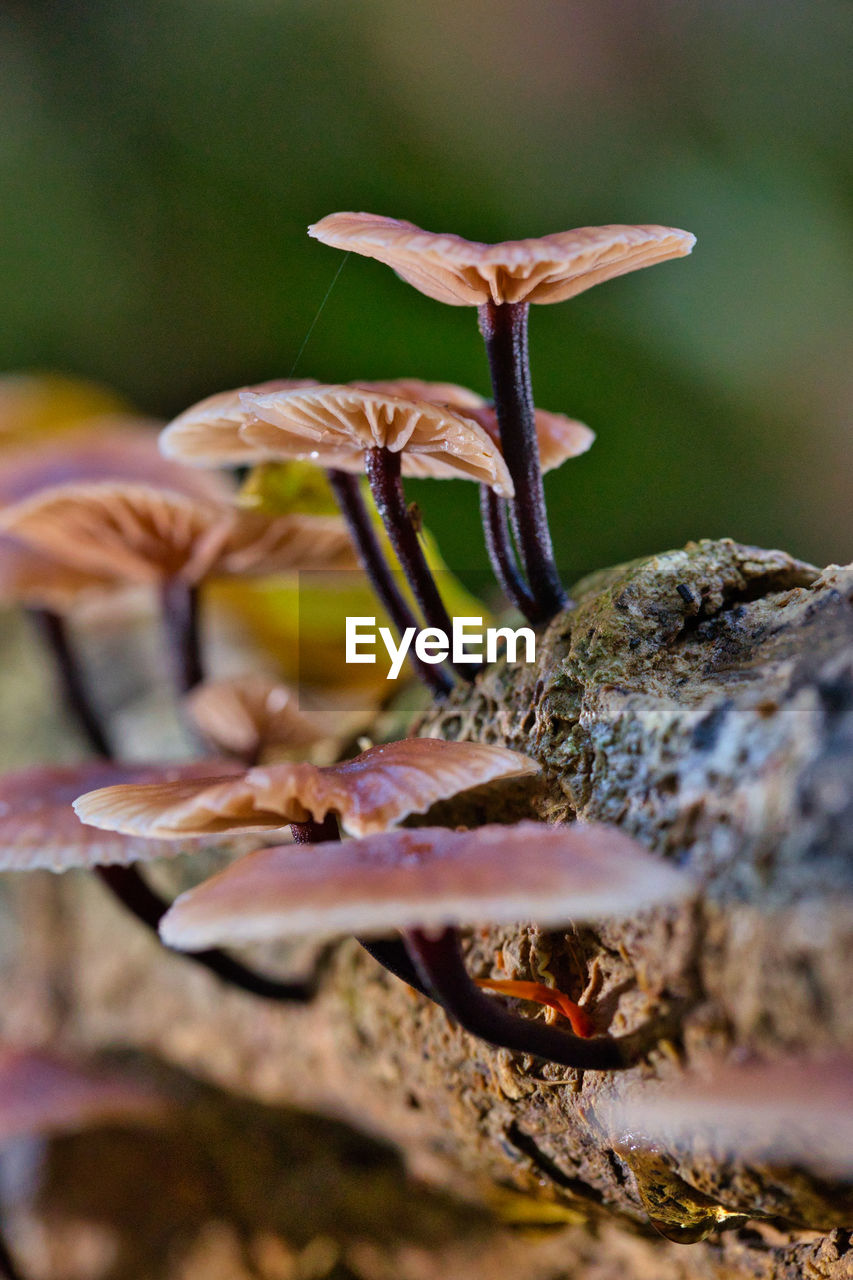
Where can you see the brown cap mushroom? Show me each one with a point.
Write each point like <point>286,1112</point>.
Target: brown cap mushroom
<point>467,273</point>
<point>375,790</point>
<point>336,425</point>
<point>39,829</point>
<point>559,437</point>
<point>248,714</point>
<point>207,434</point>
<point>43,1093</point>
<point>143,534</point>
<point>424,878</point>
<point>796,1110</point>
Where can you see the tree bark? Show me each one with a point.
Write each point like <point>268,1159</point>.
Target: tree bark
<point>702,700</point>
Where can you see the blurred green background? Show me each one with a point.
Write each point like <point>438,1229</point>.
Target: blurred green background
<point>160,160</point>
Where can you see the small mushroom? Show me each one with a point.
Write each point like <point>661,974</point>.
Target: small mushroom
<point>348,430</point>
<point>207,434</point>
<point>375,790</point>
<point>250,715</point>
<point>791,1111</point>
<point>468,273</point>
<point>502,280</point>
<point>39,829</point>
<point>41,1093</point>
<point>142,534</point>
<point>427,881</point>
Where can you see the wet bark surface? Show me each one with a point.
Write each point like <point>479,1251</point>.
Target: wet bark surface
<point>702,700</point>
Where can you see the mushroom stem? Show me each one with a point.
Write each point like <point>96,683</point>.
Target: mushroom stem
<point>438,959</point>
<point>383,474</point>
<point>501,554</point>
<point>8,1269</point>
<point>180,604</point>
<point>133,892</point>
<point>504,330</point>
<point>54,631</point>
<point>389,952</point>
<point>348,495</point>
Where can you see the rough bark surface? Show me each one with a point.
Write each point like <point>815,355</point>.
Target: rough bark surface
<point>703,701</point>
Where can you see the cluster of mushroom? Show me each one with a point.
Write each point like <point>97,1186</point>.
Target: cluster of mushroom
<point>422,883</point>
<point>108,515</point>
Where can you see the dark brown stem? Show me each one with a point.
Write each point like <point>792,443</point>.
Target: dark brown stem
<point>504,330</point>
<point>127,884</point>
<point>54,631</point>
<point>348,495</point>
<point>383,474</point>
<point>180,604</point>
<point>439,961</point>
<point>501,554</point>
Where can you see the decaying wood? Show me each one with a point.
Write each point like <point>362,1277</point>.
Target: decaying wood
<point>703,701</point>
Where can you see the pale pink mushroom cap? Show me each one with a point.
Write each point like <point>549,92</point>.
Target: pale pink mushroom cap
<point>247,713</point>
<point>40,831</point>
<point>335,425</point>
<point>375,790</point>
<point>427,877</point>
<point>559,437</point>
<point>105,448</point>
<point>467,273</point>
<point>794,1110</point>
<point>141,534</point>
<point>41,1093</point>
<point>207,434</point>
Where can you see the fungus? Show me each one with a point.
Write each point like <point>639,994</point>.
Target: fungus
<point>375,790</point>
<point>350,430</point>
<point>426,882</point>
<point>207,434</point>
<point>41,1093</point>
<point>248,715</point>
<point>791,1111</point>
<point>39,829</point>
<point>142,534</point>
<point>501,280</point>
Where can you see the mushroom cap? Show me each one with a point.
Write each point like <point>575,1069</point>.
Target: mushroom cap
<point>375,790</point>
<point>207,435</point>
<point>129,531</point>
<point>111,447</point>
<point>425,878</point>
<point>42,1093</point>
<point>146,535</point>
<point>559,437</point>
<point>40,831</point>
<point>796,1110</point>
<point>335,425</point>
<point>247,713</point>
<point>30,578</point>
<point>467,273</point>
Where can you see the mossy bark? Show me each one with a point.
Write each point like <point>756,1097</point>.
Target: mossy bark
<point>703,701</point>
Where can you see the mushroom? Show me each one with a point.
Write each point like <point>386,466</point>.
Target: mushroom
<point>142,534</point>
<point>789,1111</point>
<point>375,790</point>
<point>426,882</point>
<point>351,430</point>
<point>501,280</point>
<point>248,715</point>
<point>41,1093</point>
<point>207,434</point>
<point>39,830</point>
